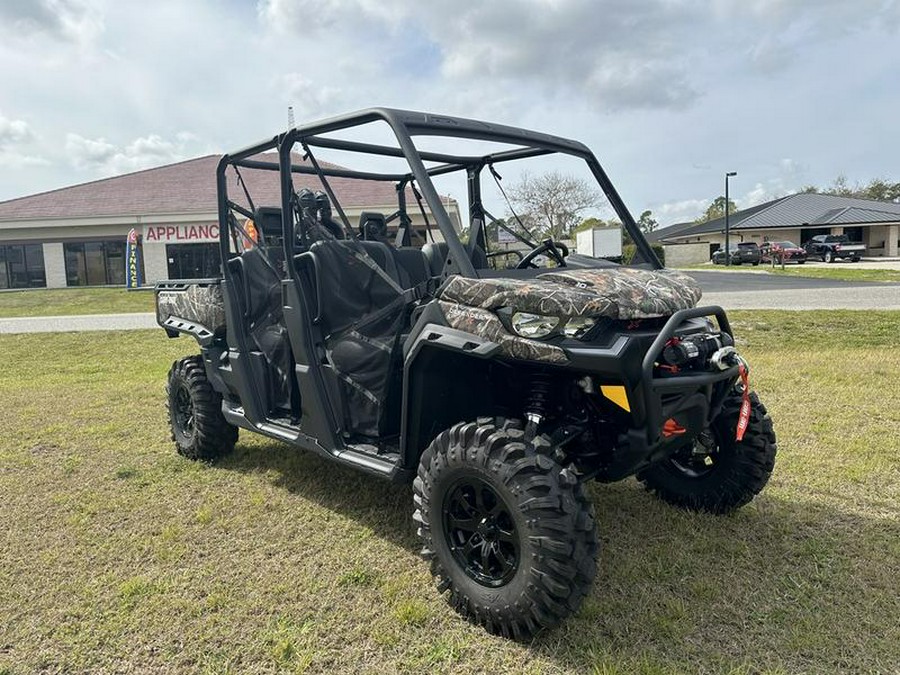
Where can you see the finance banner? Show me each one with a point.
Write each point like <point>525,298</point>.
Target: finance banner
<point>133,266</point>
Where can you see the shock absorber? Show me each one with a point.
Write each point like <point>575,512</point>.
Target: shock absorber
<point>536,404</point>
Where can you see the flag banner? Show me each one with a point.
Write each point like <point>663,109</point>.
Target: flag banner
<point>133,266</point>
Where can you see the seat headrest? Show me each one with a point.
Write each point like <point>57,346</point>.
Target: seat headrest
<point>372,226</point>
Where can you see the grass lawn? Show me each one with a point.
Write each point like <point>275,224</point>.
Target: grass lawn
<point>837,271</point>
<point>116,555</point>
<point>66,301</point>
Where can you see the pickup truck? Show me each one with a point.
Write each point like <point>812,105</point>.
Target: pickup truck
<point>830,247</point>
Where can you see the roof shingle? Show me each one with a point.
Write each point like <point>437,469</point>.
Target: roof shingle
<point>181,188</point>
<point>797,210</point>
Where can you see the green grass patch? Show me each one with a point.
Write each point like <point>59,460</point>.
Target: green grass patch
<point>836,271</point>
<point>70,301</point>
<point>118,555</point>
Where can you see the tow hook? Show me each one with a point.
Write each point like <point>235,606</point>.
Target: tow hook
<point>725,358</point>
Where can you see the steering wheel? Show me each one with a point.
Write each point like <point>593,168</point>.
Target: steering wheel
<point>555,249</point>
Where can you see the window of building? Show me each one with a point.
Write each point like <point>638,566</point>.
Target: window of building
<point>22,266</point>
<point>95,263</point>
<point>193,261</point>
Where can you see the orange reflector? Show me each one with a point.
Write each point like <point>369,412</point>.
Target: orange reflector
<point>672,428</point>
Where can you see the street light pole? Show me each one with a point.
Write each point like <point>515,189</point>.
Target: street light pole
<point>728,175</point>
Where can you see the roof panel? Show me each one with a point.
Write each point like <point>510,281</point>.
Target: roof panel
<point>183,187</point>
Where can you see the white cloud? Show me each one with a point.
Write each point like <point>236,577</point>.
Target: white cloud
<point>571,47</point>
<point>107,158</point>
<point>669,93</point>
<point>310,99</point>
<point>681,211</point>
<point>11,159</point>
<point>14,131</point>
<point>75,20</point>
<point>17,145</point>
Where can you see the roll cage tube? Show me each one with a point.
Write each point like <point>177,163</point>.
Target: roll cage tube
<point>406,124</point>
<point>410,153</point>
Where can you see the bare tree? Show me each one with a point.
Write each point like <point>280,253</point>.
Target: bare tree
<point>552,202</point>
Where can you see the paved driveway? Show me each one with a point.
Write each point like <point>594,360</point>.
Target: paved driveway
<point>754,290</point>
<point>62,324</point>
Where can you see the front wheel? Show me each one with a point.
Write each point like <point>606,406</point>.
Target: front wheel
<point>508,529</point>
<point>717,473</point>
<point>195,412</point>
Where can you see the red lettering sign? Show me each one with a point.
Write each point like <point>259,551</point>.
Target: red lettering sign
<point>169,234</point>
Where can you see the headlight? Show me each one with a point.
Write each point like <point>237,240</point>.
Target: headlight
<point>578,326</point>
<point>533,325</point>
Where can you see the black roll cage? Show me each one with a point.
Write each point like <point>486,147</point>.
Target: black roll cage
<point>406,124</point>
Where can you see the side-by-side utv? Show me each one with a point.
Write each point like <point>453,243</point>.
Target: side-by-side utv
<point>498,381</point>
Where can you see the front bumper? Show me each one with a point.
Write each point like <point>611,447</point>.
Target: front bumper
<point>689,399</point>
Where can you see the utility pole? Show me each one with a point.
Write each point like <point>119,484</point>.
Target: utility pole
<point>728,175</point>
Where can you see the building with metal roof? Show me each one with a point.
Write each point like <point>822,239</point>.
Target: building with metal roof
<point>76,235</point>
<point>798,218</point>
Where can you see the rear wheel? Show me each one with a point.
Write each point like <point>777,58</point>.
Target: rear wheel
<point>717,473</point>
<point>508,530</point>
<point>828,257</point>
<point>195,412</point>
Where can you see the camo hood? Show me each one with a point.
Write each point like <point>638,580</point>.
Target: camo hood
<point>617,293</point>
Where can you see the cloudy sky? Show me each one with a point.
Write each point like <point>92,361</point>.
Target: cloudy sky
<point>669,94</point>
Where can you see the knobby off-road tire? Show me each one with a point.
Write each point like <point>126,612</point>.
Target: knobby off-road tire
<point>733,474</point>
<point>507,529</point>
<point>198,427</point>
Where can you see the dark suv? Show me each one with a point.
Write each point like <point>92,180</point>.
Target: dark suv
<point>745,252</point>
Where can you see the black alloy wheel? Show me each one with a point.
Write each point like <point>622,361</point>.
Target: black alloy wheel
<point>481,532</point>
<point>198,427</point>
<point>506,527</point>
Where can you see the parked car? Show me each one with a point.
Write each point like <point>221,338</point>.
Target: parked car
<point>745,252</point>
<point>831,247</point>
<point>782,249</point>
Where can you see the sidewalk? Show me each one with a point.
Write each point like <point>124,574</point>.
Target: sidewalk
<point>85,322</point>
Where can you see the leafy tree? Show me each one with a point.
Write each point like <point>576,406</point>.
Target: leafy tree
<point>877,188</point>
<point>840,187</point>
<point>647,222</point>
<point>717,210</point>
<point>550,204</point>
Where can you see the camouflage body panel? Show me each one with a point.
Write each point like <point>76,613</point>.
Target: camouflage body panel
<point>485,324</point>
<point>201,304</point>
<point>619,293</point>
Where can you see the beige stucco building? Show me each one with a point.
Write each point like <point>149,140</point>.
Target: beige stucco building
<point>75,236</point>
<point>796,218</point>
